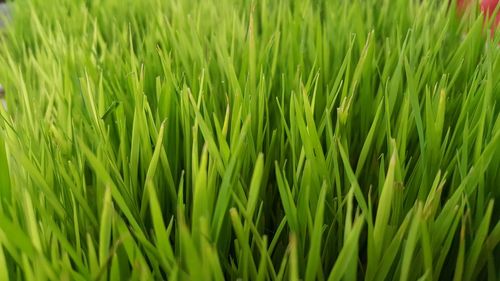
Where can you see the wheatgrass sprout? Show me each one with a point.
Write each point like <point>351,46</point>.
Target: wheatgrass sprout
<point>249,140</point>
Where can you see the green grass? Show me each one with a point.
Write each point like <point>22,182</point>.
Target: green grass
<point>264,140</point>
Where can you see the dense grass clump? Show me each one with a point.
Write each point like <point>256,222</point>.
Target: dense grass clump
<point>251,140</point>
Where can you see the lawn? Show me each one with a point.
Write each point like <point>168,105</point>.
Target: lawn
<point>249,140</point>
